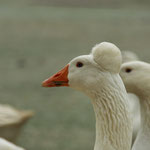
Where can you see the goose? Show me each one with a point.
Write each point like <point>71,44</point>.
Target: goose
<point>5,145</point>
<point>136,78</point>
<point>97,75</point>
<point>12,120</point>
<point>134,104</point>
<point>129,56</point>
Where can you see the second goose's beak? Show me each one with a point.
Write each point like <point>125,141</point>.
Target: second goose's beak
<point>58,79</point>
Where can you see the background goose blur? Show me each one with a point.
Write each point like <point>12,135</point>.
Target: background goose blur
<point>12,121</point>
<point>5,145</point>
<point>129,56</point>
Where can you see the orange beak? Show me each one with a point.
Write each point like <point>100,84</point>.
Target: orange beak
<point>58,79</point>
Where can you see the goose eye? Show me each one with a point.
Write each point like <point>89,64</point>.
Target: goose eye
<point>128,70</point>
<point>79,64</point>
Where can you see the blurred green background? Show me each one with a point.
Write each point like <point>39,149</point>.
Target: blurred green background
<point>39,37</point>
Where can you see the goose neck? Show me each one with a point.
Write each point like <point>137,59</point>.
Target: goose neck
<point>145,112</point>
<point>113,122</point>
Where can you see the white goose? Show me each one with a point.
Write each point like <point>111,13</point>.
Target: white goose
<point>12,120</point>
<point>136,77</point>
<point>128,56</point>
<point>97,75</point>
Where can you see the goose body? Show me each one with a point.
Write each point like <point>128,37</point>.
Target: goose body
<point>12,121</point>
<point>5,145</point>
<point>97,75</point>
<point>137,81</point>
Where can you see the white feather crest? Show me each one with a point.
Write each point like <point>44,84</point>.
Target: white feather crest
<point>108,56</point>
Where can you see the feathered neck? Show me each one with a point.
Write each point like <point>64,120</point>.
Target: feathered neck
<point>113,122</point>
<point>143,137</point>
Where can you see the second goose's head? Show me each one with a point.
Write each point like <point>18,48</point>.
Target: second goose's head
<point>136,77</point>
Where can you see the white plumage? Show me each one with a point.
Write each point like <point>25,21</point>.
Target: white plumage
<point>108,56</point>
<point>137,81</point>
<point>97,75</point>
<point>134,104</point>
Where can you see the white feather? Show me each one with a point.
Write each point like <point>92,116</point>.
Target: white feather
<point>108,56</point>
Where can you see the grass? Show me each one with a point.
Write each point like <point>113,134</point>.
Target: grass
<point>36,41</point>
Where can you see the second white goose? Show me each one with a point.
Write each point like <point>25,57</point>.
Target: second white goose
<point>134,104</point>
<point>136,77</point>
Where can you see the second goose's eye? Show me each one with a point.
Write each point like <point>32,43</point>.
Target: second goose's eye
<point>79,64</point>
<point>128,70</point>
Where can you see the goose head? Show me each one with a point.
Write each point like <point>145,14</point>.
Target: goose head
<point>97,75</point>
<point>135,76</point>
<point>87,72</point>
